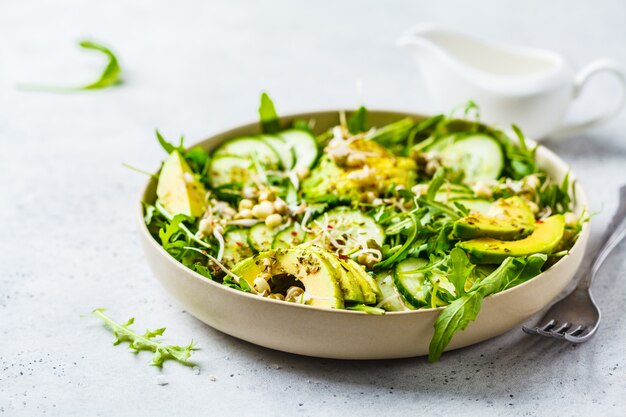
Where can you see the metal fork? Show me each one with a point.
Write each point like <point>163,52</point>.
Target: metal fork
<point>577,317</point>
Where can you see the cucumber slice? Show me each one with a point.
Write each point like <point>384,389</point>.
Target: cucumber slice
<point>475,204</point>
<point>344,222</point>
<point>480,157</point>
<point>391,298</point>
<point>411,283</point>
<point>289,237</point>
<point>283,150</point>
<point>226,170</point>
<point>236,247</point>
<point>303,145</point>
<point>261,237</point>
<point>248,146</point>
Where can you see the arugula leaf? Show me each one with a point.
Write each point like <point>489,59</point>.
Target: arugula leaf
<point>375,311</point>
<point>460,312</point>
<point>393,133</point>
<point>268,115</point>
<point>406,247</point>
<point>202,270</point>
<point>167,146</point>
<point>436,183</point>
<point>357,121</point>
<point>533,267</point>
<point>242,285</point>
<point>456,316</point>
<point>521,159</point>
<point>138,342</point>
<point>500,279</point>
<point>198,159</point>
<point>169,233</point>
<point>110,76</point>
<point>303,124</point>
<point>459,268</point>
<point>555,196</point>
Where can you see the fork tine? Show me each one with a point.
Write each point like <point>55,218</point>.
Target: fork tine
<point>577,331</point>
<point>529,330</point>
<point>562,328</point>
<point>548,326</point>
<point>548,333</point>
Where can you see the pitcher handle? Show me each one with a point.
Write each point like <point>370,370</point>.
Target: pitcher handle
<point>583,76</point>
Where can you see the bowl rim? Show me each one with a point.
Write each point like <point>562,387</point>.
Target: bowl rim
<point>580,196</point>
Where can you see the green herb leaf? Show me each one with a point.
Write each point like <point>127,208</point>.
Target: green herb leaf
<point>167,146</point>
<point>501,278</point>
<point>162,352</point>
<point>393,133</point>
<point>198,159</point>
<point>375,311</point>
<point>268,115</point>
<point>460,312</point>
<point>459,268</point>
<point>111,75</point>
<point>357,121</point>
<point>436,183</point>
<point>456,316</point>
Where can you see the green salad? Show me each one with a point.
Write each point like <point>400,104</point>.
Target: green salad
<point>416,214</point>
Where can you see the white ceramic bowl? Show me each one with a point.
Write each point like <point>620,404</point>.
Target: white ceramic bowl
<point>344,334</point>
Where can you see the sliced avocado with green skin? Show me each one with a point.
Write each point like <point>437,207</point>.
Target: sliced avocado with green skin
<point>349,284</point>
<point>507,219</point>
<point>547,235</point>
<point>308,267</point>
<point>178,189</point>
<point>369,287</point>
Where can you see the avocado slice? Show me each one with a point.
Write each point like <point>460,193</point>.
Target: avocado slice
<point>507,219</point>
<point>178,189</point>
<point>309,267</point>
<point>348,282</point>
<point>547,235</point>
<point>369,287</point>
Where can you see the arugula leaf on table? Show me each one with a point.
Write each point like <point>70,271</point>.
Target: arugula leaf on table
<point>357,121</point>
<point>162,352</point>
<point>110,76</point>
<point>459,268</point>
<point>268,115</point>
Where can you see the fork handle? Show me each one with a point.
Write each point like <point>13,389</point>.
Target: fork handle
<point>616,231</point>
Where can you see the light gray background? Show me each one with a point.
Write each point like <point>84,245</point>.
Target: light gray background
<point>68,235</point>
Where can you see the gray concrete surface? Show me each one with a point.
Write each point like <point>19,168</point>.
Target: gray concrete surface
<point>67,230</point>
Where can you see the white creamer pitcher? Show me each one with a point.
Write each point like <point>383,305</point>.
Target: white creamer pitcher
<point>529,87</point>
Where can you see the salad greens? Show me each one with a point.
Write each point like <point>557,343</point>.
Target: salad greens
<point>162,352</point>
<point>110,76</point>
<point>416,214</point>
